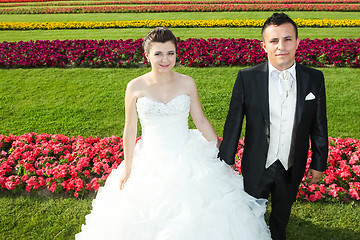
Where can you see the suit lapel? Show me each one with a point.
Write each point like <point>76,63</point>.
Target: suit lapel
<point>264,92</point>
<point>302,80</point>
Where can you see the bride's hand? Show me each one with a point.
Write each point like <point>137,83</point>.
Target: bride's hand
<point>234,167</point>
<point>124,177</point>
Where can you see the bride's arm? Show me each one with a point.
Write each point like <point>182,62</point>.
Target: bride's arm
<point>130,131</point>
<point>197,114</point>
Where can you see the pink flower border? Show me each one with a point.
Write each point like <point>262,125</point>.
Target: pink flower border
<point>341,181</point>
<point>184,8</point>
<point>185,2</point>
<point>77,166</point>
<point>192,52</point>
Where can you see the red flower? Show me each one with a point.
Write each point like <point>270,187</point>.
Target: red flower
<point>70,161</point>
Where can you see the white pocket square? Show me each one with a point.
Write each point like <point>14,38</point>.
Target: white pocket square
<point>310,96</point>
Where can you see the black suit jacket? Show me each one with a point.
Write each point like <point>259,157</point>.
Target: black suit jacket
<point>250,98</point>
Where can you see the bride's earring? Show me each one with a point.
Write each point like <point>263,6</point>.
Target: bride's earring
<point>147,58</point>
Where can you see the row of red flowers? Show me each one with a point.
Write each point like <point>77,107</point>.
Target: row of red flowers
<point>58,163</point>
<point>52,3</point>
<point>191,52</point>
<point>79,2</point>
<point>341,181</point>
<point>77,166</point>
<point>185,8</point>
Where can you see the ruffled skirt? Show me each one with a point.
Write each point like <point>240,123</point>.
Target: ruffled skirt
<point>176,195</point>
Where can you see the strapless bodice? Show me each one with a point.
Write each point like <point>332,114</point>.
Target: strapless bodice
<point>164,125</point>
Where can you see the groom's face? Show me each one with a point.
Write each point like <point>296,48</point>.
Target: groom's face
<point>280,43</point>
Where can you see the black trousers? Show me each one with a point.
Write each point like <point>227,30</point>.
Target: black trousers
<point>276,182</point>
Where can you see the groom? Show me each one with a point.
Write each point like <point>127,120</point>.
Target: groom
<point>284,105</point>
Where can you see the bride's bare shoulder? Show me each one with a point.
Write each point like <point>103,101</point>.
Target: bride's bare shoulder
<point>185,79</point>
<point>137,83</point>
<point>136,87</point>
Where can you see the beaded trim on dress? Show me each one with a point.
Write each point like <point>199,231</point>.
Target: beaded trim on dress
<point>149,107</point>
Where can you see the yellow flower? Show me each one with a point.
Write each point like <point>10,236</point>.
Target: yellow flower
<point>237,23</point>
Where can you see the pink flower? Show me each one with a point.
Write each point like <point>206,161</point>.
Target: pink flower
<point>87,173</point>
<point>312,188</point>
<point>354,193</point>
<point>53,186</point>
<point>77,158</point>
<point>332,193</point>
<point>356,169</point>
<point>94,183</point>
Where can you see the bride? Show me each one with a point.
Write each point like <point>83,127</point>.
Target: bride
<point>171,185</point>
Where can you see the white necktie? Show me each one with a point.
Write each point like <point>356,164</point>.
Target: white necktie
<point>285,81</point>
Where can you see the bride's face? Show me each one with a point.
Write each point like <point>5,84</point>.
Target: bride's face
<point>162,56</point>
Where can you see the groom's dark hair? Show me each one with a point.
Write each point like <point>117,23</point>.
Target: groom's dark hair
<point>278,19</point>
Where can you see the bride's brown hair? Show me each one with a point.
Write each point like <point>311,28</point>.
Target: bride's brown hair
<point>159,34</point>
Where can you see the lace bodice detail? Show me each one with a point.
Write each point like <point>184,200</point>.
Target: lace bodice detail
<point>164,125</point>
<point>149,107</point>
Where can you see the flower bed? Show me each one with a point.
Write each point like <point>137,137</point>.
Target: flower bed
<point>56,162</point>
<point>341,181</point>
<point>342,176</point>
<point>75,165</point>
<point>185,8</point>
<point>71,53</point>
<point>171,23</point>
<point>6,3</point>
<point>56,2</point>
<point>191,52</point>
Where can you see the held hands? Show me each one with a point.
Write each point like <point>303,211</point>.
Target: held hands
<point>234,167</point>
<point>314,175</point>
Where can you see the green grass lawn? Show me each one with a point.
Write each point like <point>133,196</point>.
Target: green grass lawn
<point>90,101</point>
<point>169,16</point>
<point>42,217</point>
<point>183,33</point>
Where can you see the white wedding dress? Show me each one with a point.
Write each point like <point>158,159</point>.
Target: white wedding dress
<point>178,188</point>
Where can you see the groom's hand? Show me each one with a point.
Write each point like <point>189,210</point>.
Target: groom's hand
<point>314,175</point>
